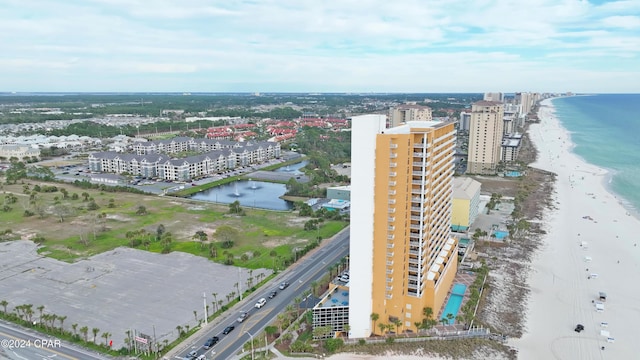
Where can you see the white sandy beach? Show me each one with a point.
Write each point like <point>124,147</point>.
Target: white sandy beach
<point>562,293</point>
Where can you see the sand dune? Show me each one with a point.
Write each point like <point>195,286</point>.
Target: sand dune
<point>590,247</point>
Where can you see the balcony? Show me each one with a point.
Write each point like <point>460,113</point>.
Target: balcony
<point>391,228</point>
<point>414,252</point>
<point>413,268</point>
<point>392,202</point>
<point>419,146</point>
<point>392,174</point>
<point>390,263</point>
<point>391,237</point>
<point>390,280</point>
<point>390,254</point>
<point>392,192</point>
<point>392,165</point>
<point>389,296</point>
<point>390,246</point>
<point>389,271</point>
<point>412,278</point>
<point>419,163</point>
<point>416,173</point>
<point>391,219</point>
<point>414,208</point>
<point>393,146</point>
<point>392,183</point>
<point>393,155</point>
<point>416,218</point>
<point>391,210</point>
<point>389,288</point>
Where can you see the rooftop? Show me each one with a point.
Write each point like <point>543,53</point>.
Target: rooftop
<point>339,296</point>
<point>413,125</point>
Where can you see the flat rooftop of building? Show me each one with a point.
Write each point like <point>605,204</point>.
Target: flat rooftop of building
<point>410,125</point>
<point>339,297</point>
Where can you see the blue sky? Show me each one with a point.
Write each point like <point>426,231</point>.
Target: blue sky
<point>320,46</point>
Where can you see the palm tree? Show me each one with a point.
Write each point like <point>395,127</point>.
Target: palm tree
<point>179,328</point>
<point>95,332</point>
<point>40,309</point>
<point>74,326</point>
<point>4,304</point>
<point>62,319</point>
<point>215,301</point>
<point>85,331</point>
<point>346,328</point>
<point>382,327</point>
<point>450,317</point>
<point>105,335</point>
<point>374,318</point>
<point>397,323</point>
<point>85,196</point>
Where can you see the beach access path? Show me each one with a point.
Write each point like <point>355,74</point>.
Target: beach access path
<point>589,232</point>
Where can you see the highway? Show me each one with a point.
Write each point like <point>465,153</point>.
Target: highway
<point>311,268</point>
<point>20,344</point>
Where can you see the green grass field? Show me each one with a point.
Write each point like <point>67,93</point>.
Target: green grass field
<point>266,238</point>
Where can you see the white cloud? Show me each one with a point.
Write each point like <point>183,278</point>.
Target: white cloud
<point>625,22</point>
<point>333,45</point>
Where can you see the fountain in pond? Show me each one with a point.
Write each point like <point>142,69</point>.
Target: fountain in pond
<point>236,193</point>
<point>253,185</point>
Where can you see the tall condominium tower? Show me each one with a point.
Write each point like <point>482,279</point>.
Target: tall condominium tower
<point>485,137</point>
<point>409,112</point>
<point>402,258</point>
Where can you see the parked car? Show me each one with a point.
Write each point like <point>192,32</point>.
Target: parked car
<point>283,285</point>
<point>261,303</point>
<point>579,328</point>
<point>273,294</point>
<point>228,329</point>
<point>210,342</point>
<point>243,316</point>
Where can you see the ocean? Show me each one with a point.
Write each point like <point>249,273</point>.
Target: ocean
<point>606,132</point>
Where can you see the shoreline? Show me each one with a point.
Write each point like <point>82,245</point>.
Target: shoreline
<point>609,173</point>
<point>588,228</point>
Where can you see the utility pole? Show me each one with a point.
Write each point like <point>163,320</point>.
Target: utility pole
<point>251,336</point>
<point>240,282</point>
<point>204,298</point>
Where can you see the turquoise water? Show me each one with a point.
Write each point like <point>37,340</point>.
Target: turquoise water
<point>464,241</point>
<point>606,132</point>
<point>513,173</point>
<point>455,300</point>
<point>501,234</point>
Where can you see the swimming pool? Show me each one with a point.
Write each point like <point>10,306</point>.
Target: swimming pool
<point>464,242</point>
<point>501,234</point>
<point>455,300</point>
<point>512,174</point>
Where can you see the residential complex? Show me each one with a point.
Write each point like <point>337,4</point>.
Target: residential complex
<point>18,151</point>
<point>408,112</point>
<point>219,155</point>
<point>466,201</point>
<point>402,258</point>
<point>485,137</point>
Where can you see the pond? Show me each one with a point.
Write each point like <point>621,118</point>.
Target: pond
<point>293,168</point>
<point>250,193</point>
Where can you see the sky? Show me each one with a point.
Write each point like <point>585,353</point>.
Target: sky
<point>320,46</point>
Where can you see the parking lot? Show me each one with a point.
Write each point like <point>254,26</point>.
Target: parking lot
<point>119,290</point>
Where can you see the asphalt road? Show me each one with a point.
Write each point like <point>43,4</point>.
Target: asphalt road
<point>311,268</point>
<point>20,344</point>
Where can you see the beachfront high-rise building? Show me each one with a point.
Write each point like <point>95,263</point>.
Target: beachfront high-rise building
<point>409,112</point>
<point>402,258</point>
<point>493,96</point>
<point>485,137</point>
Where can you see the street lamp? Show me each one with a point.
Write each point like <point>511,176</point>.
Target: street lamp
<point>251,336</point>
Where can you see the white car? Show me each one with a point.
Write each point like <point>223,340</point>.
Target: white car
<point>261,303</point>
